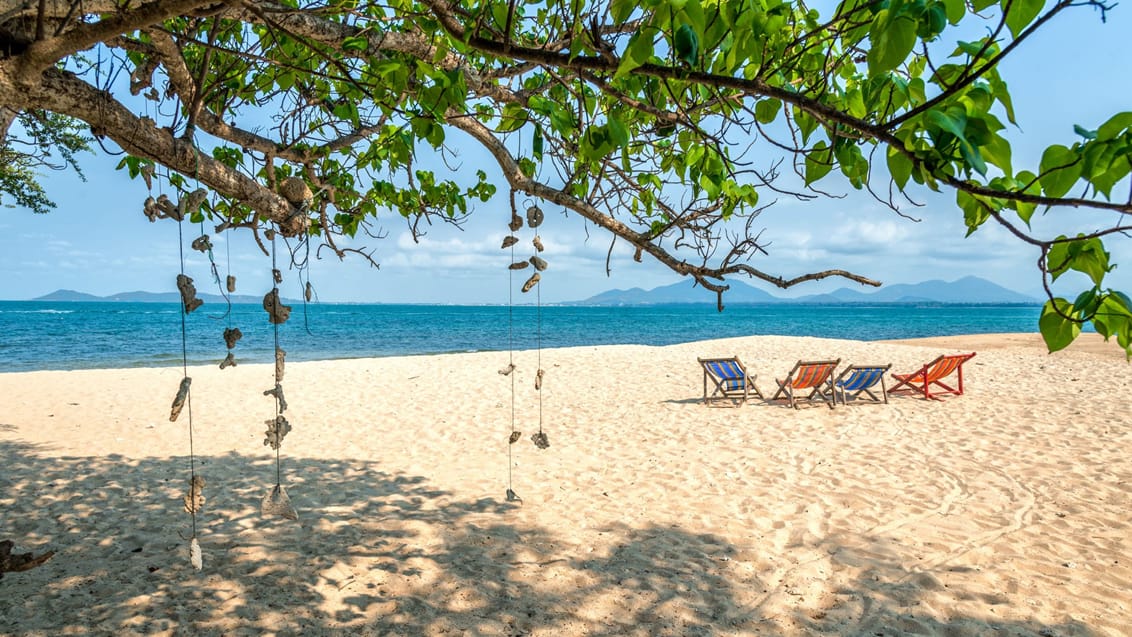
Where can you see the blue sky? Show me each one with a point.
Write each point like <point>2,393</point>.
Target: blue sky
<point>97,240</point>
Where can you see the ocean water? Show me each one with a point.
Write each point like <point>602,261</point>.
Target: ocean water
<point>38,335</point>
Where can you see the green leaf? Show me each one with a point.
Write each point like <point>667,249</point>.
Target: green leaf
<point>946,122</point>
<point>766,110</point>
<point>1058,331</point>
<point>956,9</point>
<point>687,44</point>
<point>1114,126</point>
<point>357,44</point>
<point>1060,168</point>
<point>893,38</point>
<point>819,161</point>
<point>536,145</point>
<point>1084,132</point>
<point>1022,13</point>
<point>899,166</point>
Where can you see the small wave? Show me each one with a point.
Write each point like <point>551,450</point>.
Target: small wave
<point>37,311</point>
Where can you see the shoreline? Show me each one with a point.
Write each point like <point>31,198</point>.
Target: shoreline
<point>1004,509</point>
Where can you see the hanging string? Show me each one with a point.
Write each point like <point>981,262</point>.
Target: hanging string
<point>511,495</point>
<point>275,330</point>
<point>188,394</point>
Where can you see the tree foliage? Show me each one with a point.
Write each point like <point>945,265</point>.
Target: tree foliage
<point>652,120</point>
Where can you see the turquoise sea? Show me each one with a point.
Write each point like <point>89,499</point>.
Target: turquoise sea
<point>38,335</point>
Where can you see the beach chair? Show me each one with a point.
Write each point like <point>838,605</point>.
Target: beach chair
<point>817,376</point>
<point>922,380</point>
<point>855,380</point>
<point>728,379</point>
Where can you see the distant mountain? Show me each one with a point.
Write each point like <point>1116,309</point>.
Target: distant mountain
<point>148,297</point>
<point>969,289</point>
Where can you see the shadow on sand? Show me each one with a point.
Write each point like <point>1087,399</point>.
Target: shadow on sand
<point>380,553</point>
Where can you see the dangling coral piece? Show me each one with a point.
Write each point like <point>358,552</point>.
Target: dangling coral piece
<point>193,200</point>
<point>539,263</point>
<point>168,208</point>
<point>188,293</point>
<point>231,284</point>
<point>231,335</point>
<point>516,222</point>
<point>276,502</point>
<point>509,241</point>
<point>514,437</point>
<point>179,400</point>
<point>531,282</point>
<point>537,241</point>
<point>540,440</point>
<point>507,370</point>
<point>196,558</point>
<point>194,498</point>
<point>519,265</point>
<point>534,216</point>
<point>278,393</point>
<point>279,356</point>
<point>277,430</point>
<point>202,244</point>
<point>229,361</point>
<point>538,380</point>
<point>150,209</point>
<point>276,312</point>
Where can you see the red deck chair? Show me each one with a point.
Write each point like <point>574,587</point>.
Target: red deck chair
<point>921,380</point>
<point>816,376</point>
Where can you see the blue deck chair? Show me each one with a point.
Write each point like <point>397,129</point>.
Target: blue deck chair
<point>855,380</point>
<point>729,380</point>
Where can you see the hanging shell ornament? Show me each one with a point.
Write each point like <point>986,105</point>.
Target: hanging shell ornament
<point>534,216</point>
<point>508,241</point>
<point>531,282</point>
<point>202,244</point>
<point>539,263</point>
<point>168,208</point>
<point>179,399</point>
<point>507,370</point>
<point>276,502</point>
<point>191,202</point>
<point>277,275</point>
<point>518,265</point>
<point>229,361</point>
<point>188,293</point>
<point>512,496</point>
<point>538,380</point>
<point>516,222</point>
<point>308,292</point>
<point>196,558</point>
<point>277,430</point>
<point>194,498</point>
<point>231,284</point>
<point>280,355</point>
<point>277,313</point>
<point>231,336</point>
<point>540,440</point>
<point>277,392</point>
<point>150,209</point>
<point>514,437</point>
<point>537,241</point>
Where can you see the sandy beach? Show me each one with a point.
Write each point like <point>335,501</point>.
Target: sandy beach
<point>1004,511</point>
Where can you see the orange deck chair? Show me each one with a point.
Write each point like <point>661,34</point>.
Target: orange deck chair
<point>729,380</point>
<point>921,380</point>
<point>816,376</point>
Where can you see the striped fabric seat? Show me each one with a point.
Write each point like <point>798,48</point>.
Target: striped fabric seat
<point>922,380</point>
<point>817,376</point>
<point>728,380</point>
<point>855,380</point>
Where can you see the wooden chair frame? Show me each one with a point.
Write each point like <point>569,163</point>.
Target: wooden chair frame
<point>729,380</point>
<point>855,380</point>
<point>814,375</point>
<point>922,380</point>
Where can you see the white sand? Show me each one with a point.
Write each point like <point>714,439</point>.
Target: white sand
<point>1004,511</point>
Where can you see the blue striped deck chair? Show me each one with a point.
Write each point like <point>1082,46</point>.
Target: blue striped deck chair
<point>728,380</point>
<point>855,380</point>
